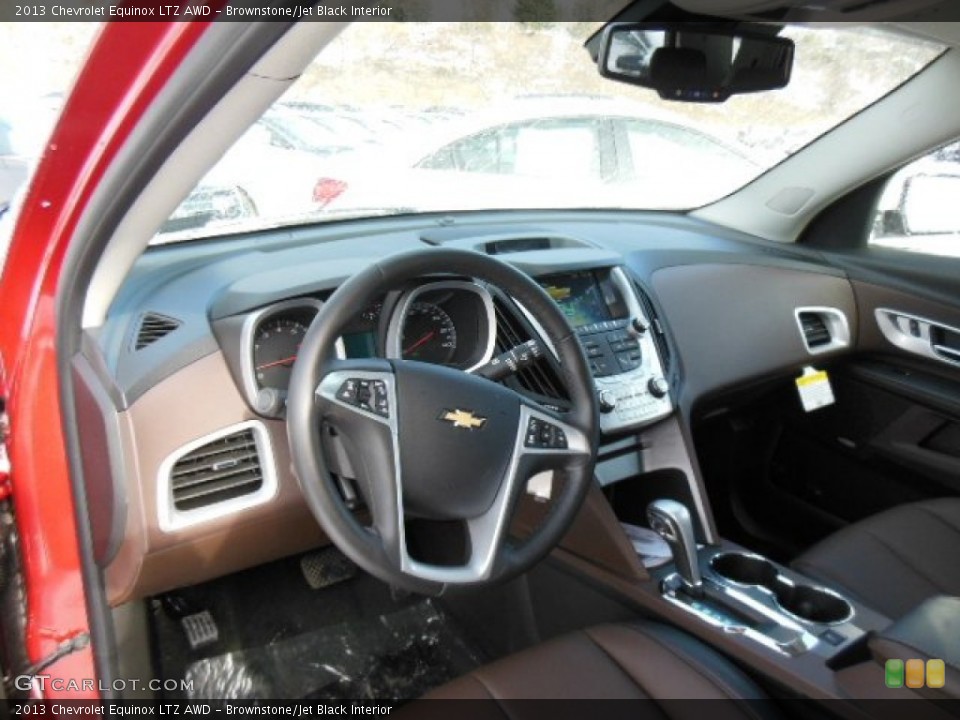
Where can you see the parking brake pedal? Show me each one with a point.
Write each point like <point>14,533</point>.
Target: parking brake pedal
<point>326,567</point>
<point>201,629</point>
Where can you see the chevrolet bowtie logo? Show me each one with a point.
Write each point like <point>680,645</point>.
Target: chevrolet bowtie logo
<point>463,419</point>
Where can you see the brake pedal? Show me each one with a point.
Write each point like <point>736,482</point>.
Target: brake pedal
<point>326,567</point>
<point>200,629</point>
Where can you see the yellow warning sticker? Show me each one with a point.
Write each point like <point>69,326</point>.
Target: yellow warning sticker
<point>817,377</point>
<point>815,389</point>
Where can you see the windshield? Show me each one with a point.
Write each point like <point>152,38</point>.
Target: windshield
<point>398,118</point>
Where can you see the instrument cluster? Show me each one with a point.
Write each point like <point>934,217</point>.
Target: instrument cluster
<point>448,322</point>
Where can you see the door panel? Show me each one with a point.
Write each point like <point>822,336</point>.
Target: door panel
<point>912,338</point>
<point>781,479</point>
<point>893,435</point>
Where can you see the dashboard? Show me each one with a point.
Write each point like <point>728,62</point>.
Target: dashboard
<point>462,323</point>
<point>196,355</point>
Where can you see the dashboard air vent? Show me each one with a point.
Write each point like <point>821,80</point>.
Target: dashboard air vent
<point>815,330</point>
<point>221,470</point>
<point>659,336</point>
<point>153,327</point>
<point>539,378</point>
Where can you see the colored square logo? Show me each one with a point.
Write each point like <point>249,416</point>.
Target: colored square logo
<point>915,673</point>
<point>936,674</point>
<point>893,673</point>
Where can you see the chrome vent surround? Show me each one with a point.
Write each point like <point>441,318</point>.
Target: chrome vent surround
<point>538,378</point>
<point>822,329</point>
<point>221,470</point>
<point>220,474</point>
<point>153,327</point>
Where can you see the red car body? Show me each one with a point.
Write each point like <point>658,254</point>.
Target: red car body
<point>128,65</point>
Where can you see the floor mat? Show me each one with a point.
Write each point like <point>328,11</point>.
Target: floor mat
<point>395,656</point>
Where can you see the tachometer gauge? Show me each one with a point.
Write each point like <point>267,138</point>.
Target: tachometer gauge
<point>275,347</point>
<point>428,335</point>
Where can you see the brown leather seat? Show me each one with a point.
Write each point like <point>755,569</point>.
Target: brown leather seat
<point>643,661</point>
<point>893,561</point>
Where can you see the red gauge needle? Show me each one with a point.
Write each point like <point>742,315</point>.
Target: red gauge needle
<point>421,341</point>
<point>285,361</point>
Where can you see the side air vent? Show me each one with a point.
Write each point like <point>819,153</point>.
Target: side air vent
<point>815,331</point>
<point>823,329</point>
<point>539,378</point>
<point>153,327</point>
<point>659,336</point>
<point>216,476</point>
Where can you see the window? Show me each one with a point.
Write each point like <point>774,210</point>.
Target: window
<point>661,143</point>
<point>919,210</point>
<point>564,147</point>
<point>538,148</point>
<point>486,152</point>
<point>503,115</point>
<point>669,159</point>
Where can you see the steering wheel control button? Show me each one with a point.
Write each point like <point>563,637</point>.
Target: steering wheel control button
<point>369,395</point>
<point>543,435</point>
<point>381,404</point>
<point>364,395</point>
<point>348,392</point>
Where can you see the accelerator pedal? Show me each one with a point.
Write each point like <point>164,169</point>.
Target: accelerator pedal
<point>323,568</point>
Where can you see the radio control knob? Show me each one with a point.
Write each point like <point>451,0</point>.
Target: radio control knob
<point>639,325</point>
<point>607,401</point>
<point>658,387</point>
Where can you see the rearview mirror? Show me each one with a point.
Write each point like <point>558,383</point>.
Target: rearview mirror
<point>693,62</point>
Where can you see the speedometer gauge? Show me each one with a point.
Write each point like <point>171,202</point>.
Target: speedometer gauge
<point>428,334</point>
<point>275,348</point>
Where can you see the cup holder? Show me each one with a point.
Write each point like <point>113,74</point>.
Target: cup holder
<point>815,604</point>
<point>745,569</point>
<point>804,602</point>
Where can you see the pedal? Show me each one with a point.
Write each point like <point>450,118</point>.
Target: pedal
<point>326,567</point>
<point>200,629</point>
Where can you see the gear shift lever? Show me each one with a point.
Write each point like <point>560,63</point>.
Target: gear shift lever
<point>671,521</point>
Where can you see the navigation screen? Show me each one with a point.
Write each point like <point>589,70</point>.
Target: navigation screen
<point>579,297</point>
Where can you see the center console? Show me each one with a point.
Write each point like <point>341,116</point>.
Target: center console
<point>746,594</point>
<point>618,340</point>
<point>798,633</point>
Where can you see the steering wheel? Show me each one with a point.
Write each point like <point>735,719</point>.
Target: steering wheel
<point>428,441</point>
